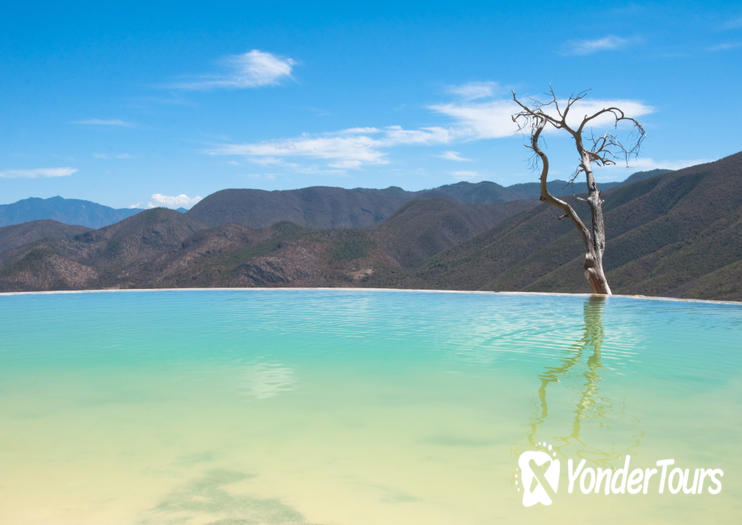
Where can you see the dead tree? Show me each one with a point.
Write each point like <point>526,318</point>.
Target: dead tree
<point>602,150</point>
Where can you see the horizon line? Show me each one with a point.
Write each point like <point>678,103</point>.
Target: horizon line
<point>374,289</point>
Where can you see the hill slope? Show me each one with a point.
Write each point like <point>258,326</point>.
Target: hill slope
<point>160,247</point>
<point>424,227</point>
<point>675,234</point>
<point>20,234</point>
<point>127,253</point>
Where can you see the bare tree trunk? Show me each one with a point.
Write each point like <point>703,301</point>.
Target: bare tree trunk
<point>594,254</point>
<point>594,237</point>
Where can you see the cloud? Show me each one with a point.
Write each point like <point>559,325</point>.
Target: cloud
<point>469,176</point>
<point>398,136</point>
<point>453,155</point>
<point>647,163</point>
<point>249,70</point>
<point>262,176</point>
<point>112,156</point>
<point>472,117</point>
<point>172,201</point>
<point>104,122</point>
<point>734,23</point>
<point>493,119</point>
<point>588,47</point>
<point>474,90</point>
<point>725,46</point>
<point>581,109</point>
<point>342,150</point>
<point>37,173</point>
<point>480,120</point>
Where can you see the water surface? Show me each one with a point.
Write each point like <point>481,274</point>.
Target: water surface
<point>356,407</point>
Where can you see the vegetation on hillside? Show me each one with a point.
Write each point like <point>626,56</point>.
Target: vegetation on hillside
<point>672,234</point>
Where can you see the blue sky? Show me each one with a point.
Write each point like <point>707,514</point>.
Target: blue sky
<point>144,102</point>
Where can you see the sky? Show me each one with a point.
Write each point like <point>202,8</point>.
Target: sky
<point>161,103</point>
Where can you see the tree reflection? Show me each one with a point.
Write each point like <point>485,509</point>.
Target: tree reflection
<point>591,406</point>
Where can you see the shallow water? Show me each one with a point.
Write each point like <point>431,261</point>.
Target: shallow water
<point>357,407</point>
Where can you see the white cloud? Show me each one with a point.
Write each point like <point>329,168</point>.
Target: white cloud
<point>111,156</point>
<point>474,90</point>
<point>725,46</point>
<point>360,131</point>
<point>349,151</point>
<point>480,120</point>
<point>104,122</point>
<point>493,119</point>
<point>342,150</point>
<point>647,163</point>
<point>249,70</point>
<point>471,118</point>
<point>453,155</point>
<point>347,164</point>
<point>583,108</point>
<point>398,136</point>
<point>469,176</point>
<point>37,173</point>
<point>262,176</point>
<point>172,201</point>
<point>588,47</point>
<point>734,23</point>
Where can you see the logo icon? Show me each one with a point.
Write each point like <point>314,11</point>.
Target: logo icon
<point>539,475</point>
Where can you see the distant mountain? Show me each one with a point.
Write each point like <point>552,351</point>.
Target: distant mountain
<point>315,207</point>
<point>20,234</point>
<point>67,211</point>
<point>329,207</point>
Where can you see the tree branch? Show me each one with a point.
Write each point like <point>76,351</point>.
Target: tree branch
<point>547,197</point>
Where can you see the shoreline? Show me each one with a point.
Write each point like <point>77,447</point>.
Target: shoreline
<point>359,289</point>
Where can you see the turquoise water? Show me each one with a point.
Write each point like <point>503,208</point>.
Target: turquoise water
<point>357,407</point>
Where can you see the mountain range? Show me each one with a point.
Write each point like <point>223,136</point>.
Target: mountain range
<point>315,207</point>
<point>670,233</point>
<point>68,211</point>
